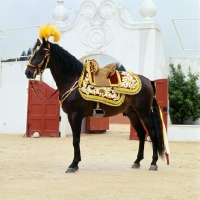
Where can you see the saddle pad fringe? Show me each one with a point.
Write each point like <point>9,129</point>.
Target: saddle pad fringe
<point>104,95</point>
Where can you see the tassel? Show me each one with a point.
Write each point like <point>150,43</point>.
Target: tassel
<point>40,77</point>
<point>166,143</point>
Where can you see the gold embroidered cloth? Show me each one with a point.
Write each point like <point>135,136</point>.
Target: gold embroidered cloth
<point>113,96</point>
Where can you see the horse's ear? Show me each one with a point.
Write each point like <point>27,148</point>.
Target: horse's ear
<point>43,40</point>
<point>45,43</point>
<point>38,42</point>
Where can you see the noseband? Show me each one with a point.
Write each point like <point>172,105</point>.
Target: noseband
<point>38,66</point>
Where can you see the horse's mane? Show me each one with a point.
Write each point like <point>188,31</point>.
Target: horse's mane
<point>71,64</point>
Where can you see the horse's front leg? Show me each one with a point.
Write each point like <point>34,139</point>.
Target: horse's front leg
<point>75,122</point>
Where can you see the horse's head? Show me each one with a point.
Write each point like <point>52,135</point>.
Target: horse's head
<point>39,59</point>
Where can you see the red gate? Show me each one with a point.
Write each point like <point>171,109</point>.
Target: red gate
<point>97,124</point>
<point>43,116</point>
<point>162,97</point>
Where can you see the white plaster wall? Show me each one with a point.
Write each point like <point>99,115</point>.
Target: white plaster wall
<point>14,99</point>
<point>140,51</point>
<point>106,28</point>
<point>183,133</point>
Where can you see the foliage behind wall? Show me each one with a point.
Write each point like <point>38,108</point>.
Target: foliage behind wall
<point>184,95</point>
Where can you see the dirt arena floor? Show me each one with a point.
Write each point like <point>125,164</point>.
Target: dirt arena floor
<point>34,169</point>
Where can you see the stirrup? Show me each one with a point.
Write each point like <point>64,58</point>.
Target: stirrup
<point>98,112</point>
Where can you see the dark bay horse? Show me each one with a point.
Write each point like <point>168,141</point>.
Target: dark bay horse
<point>142,108</point>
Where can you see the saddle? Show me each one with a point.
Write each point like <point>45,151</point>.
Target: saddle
<point>106,85</point>
<point>105,76</point>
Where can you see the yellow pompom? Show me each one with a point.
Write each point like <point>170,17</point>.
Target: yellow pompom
<point>48,31</point>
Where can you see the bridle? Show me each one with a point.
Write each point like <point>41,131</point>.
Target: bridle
<point>37,67</point>
<point>38,70</point>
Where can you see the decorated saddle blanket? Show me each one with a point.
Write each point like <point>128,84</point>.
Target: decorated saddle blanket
<point>112,91</point>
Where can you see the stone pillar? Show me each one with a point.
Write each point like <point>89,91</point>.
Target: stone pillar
<point>152,62</point>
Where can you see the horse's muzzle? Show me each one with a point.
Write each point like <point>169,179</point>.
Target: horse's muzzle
<point>29,73</point>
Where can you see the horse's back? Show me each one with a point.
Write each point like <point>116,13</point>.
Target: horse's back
<point>146,85</point>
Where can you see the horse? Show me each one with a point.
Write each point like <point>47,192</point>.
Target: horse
<point>142,108</point>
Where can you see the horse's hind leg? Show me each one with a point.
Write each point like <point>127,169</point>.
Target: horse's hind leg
<point>145,117</point>
<point>136,123</point>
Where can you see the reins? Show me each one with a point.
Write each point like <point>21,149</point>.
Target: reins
<point>37,90</point>
<point>68,92</point>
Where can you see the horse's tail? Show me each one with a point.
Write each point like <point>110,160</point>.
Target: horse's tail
<point>159,129</point>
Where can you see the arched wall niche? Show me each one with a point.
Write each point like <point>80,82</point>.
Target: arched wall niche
<point>102,59</point>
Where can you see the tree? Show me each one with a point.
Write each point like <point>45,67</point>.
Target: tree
<point>29,52</point>
<point>184,95</point>
<point>22,57</point>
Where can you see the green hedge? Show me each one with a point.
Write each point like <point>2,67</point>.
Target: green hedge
<point>184,95</point>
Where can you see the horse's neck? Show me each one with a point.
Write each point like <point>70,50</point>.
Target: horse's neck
<point>61,78</point>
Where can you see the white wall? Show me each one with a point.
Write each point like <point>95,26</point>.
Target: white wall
<point>98,30</point>
<point>182,133</point>
<point>14,98</point>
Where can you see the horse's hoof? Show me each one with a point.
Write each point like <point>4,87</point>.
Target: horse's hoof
<point>72,170</point>
<point>153,167</point>
<point>135,166</point>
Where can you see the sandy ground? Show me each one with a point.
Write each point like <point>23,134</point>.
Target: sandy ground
<point>34,168</point>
